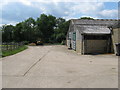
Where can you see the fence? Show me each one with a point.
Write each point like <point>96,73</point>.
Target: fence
<point>10,46</point>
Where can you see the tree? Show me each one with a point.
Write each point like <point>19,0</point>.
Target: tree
<point>28,29</point>
<point>25,31</point>
<point>61,29</point>
<point>87,18</point>
<point>18,33</point>
<point>45,27</point>
<point>7,33</point>
<point>42,27</point>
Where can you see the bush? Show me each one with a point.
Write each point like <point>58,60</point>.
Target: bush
<point>63,42</point>
<point>25,42</point>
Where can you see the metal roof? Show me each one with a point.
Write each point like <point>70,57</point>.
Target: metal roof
<point>96,26</point>
<point>116,25</point>
<point>92,29</point>
<point>94,22</point>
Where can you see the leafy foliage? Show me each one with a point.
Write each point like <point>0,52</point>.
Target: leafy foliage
<point>7,33</point>
<point>46,28</point>
<point>87,18</point>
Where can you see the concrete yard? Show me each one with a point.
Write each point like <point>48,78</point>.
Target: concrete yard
<point>54,66</point>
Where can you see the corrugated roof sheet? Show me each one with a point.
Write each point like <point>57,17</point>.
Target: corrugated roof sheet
<point>94,22</point>
<point>96,26</point>
<point>116,25</point>
<point>92,29</point>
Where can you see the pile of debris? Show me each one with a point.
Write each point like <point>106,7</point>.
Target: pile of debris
<point>32,44</point>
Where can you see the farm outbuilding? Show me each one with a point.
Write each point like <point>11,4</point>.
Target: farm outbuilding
<point>90,36</point>
<point>115,33</point>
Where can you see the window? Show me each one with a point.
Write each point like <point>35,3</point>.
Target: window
<point>74,36</point>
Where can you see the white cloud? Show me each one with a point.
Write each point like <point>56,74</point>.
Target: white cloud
<point>28,2</point>
<point>30,8</point>
<point>90,16</point>
<point>25,2</point>
<point>77,10</point>
<point>108,0</point>
<point>3,21</point>
<point>87,8</point>
<point>109,13</point>
<point>69,10</point>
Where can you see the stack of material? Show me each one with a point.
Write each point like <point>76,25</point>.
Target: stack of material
<point>32,44</point>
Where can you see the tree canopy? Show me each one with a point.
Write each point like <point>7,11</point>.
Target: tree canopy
<point>47,28</point>
<point>87,18</point>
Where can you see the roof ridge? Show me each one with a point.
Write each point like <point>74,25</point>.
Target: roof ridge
<point>98,19</point>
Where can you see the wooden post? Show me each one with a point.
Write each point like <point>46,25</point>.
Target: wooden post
<point>7,45</point>
<point>82,45</point>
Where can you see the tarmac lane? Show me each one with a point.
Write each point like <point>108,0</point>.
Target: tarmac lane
<point>54,66</point>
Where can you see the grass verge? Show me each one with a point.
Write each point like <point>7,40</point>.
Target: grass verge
<point>11,52</point>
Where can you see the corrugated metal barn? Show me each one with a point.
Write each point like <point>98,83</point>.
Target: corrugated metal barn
<point>90,36</point>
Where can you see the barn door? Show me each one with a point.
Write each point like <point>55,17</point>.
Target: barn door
<point>74,40</point>
<point>96,46</point>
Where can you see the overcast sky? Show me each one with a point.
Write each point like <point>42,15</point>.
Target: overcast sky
<point>17,11</point>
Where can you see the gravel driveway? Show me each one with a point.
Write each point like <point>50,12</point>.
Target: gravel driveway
<point>54,66</point>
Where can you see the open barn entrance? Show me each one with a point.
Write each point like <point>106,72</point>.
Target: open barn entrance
<point>97,44</point>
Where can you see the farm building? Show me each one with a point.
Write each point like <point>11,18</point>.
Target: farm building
<point>115,33</point>
<point>90,36</point>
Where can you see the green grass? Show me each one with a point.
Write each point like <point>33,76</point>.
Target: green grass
<point>11,52</point>
<point>6,45</point>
